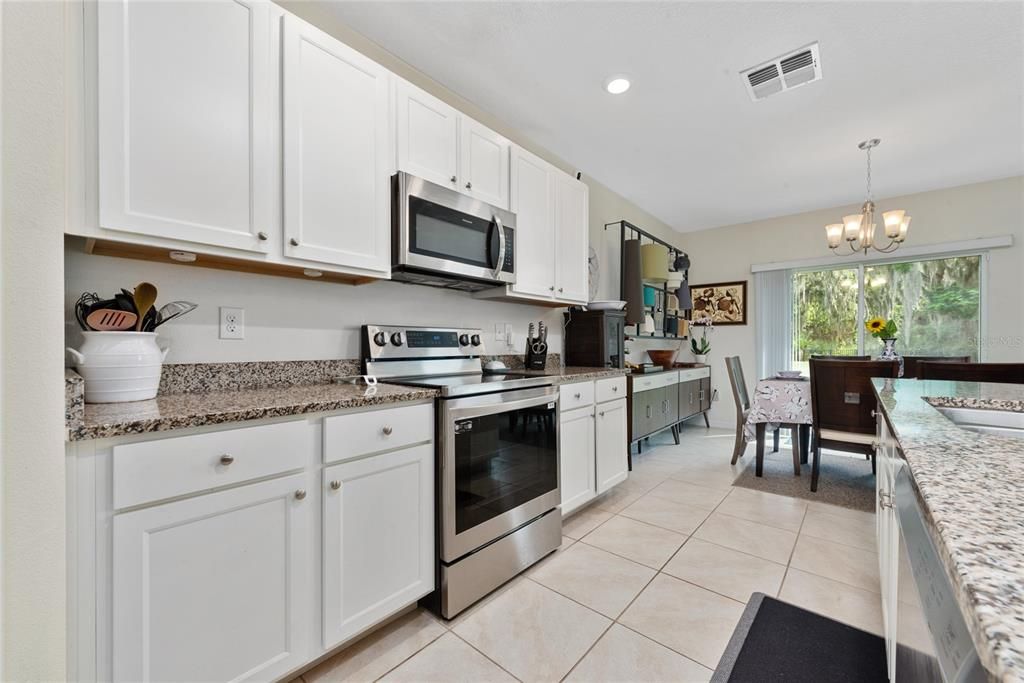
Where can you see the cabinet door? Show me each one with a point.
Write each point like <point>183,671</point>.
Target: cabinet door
<point>378,538</point>
<point>576,458</point>
<point>427,135</point>
<point>572,237</point>
<point>705,394</point>
<point>184,120</point>
<point>688,398</point>
<point>483,163</point>
<point>612,446</point>
<point>336,169</point>
<point>673,412</point>
<point>646,411</point>
<point>533,202</point>
<point>215,588</point>
<point>887,530</point>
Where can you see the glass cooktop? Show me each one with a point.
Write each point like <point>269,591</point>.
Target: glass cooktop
<point>465,385</point>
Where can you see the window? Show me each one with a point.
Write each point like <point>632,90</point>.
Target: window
<point>936,304</point>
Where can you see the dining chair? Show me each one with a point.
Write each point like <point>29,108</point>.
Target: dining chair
<point>910,370</point>
<point>843,407</point>
<point>1007,373</point>
<point>742,399</point>
<point>818,356</point>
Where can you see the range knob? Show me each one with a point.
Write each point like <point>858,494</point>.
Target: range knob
<point>463,340</point>
<point>396,339</point>
<point>380,339</point>
<point>476,340</point>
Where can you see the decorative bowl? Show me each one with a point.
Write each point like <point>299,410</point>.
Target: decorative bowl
<point>663,357</point>
<point>788,374</point>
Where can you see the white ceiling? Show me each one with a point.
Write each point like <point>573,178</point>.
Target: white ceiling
<point>941,83</point>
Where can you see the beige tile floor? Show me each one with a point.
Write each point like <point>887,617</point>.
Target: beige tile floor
<point>648,585</point>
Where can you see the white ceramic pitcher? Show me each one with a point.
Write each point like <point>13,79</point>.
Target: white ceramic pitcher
<point>119,366</point>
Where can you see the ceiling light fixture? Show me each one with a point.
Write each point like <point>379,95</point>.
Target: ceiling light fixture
<point>617,85</point>
<point>859,229</point>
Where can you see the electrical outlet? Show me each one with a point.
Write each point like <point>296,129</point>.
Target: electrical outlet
<point>499,331</point>
<point>232,323</point>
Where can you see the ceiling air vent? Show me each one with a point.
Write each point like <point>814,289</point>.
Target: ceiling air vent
<point>785,72</point>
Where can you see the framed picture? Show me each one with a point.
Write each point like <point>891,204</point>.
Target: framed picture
<point>725,303</point>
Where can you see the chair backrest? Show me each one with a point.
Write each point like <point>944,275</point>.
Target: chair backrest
<point>1007,373</point>
<point>910,363</point>
<point>841,394</point>
<point>824,357</point>
<point>739,385</point>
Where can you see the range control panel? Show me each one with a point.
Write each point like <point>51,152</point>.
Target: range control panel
<point>381,342</point>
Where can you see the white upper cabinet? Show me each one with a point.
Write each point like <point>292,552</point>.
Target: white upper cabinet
<point>440,144</point>
<point>428,135</point>
<point>572,238</point>
<point>184,116</point>
<point>532,201</point>
<point>336,151</point>
<point>484,158</point>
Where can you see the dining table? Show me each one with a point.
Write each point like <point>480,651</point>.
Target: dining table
<point>781,402</point>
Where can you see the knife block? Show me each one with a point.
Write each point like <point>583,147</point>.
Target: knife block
<point>535,361</point>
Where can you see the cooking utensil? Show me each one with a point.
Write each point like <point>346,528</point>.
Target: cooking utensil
<point>173,310</point>
<point>84,306</point>
<point>144,298</point>
<point>109,320</point>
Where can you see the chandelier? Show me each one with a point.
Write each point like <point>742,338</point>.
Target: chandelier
<point>858,230</point>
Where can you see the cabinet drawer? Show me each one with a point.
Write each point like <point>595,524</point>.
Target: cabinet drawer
<point>610,389</point>
<point>656,381</point>
<point>576,395</point>
<point>154,470</point>
<point>695,373</point>
<point>355,434</point>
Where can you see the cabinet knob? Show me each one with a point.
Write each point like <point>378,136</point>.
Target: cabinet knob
<point>387,430</point>
<point>577,395</point>
<point>551,288</point>
<point>560,290</point>
<point>335,485</point>
<point>884,500</point>
<point>294,242</point>
<point>601,413</point>
<point>300,494</point>
<point>874,414</point>
<point>227,459</point>
<point>469,186</point>
<point>454,179</point>
<point>615,388</point>
<point>263,236</point>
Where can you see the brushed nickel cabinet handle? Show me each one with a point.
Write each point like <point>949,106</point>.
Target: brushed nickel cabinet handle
<point>294,242</point>
<point>227,459</point>
<point>263,236</point>
<point>387,430</point>
<point>335,485</point>
<point>469,186</point>
<point>300,494</point>
<point>454,179</point>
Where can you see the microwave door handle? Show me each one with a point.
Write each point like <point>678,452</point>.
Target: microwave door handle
<point>501,247</point>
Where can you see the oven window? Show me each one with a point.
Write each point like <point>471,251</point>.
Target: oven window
<point>441,232</point>
<point>503,461</point>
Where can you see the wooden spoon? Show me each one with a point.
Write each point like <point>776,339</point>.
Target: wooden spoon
<point>145,297</point>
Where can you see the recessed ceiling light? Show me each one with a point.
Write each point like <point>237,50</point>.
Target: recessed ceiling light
<point>617,85</point>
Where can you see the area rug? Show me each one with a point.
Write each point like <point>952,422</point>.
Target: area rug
<point>776,641</point>
<point>843,480</point>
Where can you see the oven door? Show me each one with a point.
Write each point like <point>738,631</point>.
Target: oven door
<point>444,231</point>
<point>499,466</point>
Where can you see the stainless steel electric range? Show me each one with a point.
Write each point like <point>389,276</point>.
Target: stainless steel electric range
<point>497,457</point>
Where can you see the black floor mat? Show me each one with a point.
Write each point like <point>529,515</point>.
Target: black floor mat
<point>776,641</point>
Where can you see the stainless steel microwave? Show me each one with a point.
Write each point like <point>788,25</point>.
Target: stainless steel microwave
<point>446,239</point>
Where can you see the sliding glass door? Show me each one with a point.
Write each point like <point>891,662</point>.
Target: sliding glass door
<point>936,304</point>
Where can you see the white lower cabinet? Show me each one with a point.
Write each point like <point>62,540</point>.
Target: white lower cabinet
<point>214,588</point>
<point>576,458</point>
<point>593,447</point>
<point>612,460</point>
<point>245,553</point>
<point>378,538</point>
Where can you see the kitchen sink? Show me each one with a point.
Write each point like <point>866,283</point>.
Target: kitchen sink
<point>987,421</point>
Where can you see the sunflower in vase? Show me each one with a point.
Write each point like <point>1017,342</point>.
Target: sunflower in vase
<point>883,329</point>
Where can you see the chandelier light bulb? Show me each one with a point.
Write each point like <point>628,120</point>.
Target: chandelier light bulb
<point>904,229</point>
<point>893,220</point>
<point>834,235</point>
<point>852,226</point>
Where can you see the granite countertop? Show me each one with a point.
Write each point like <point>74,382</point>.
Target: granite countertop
<point>180,411</point>
<point>577,374</point>
<point>970,485</point>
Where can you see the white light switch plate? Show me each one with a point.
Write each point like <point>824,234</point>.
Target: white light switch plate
<point>232,323</point>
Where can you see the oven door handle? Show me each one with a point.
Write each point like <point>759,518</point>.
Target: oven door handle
<point>501,246</point>
<point>478,406</point>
